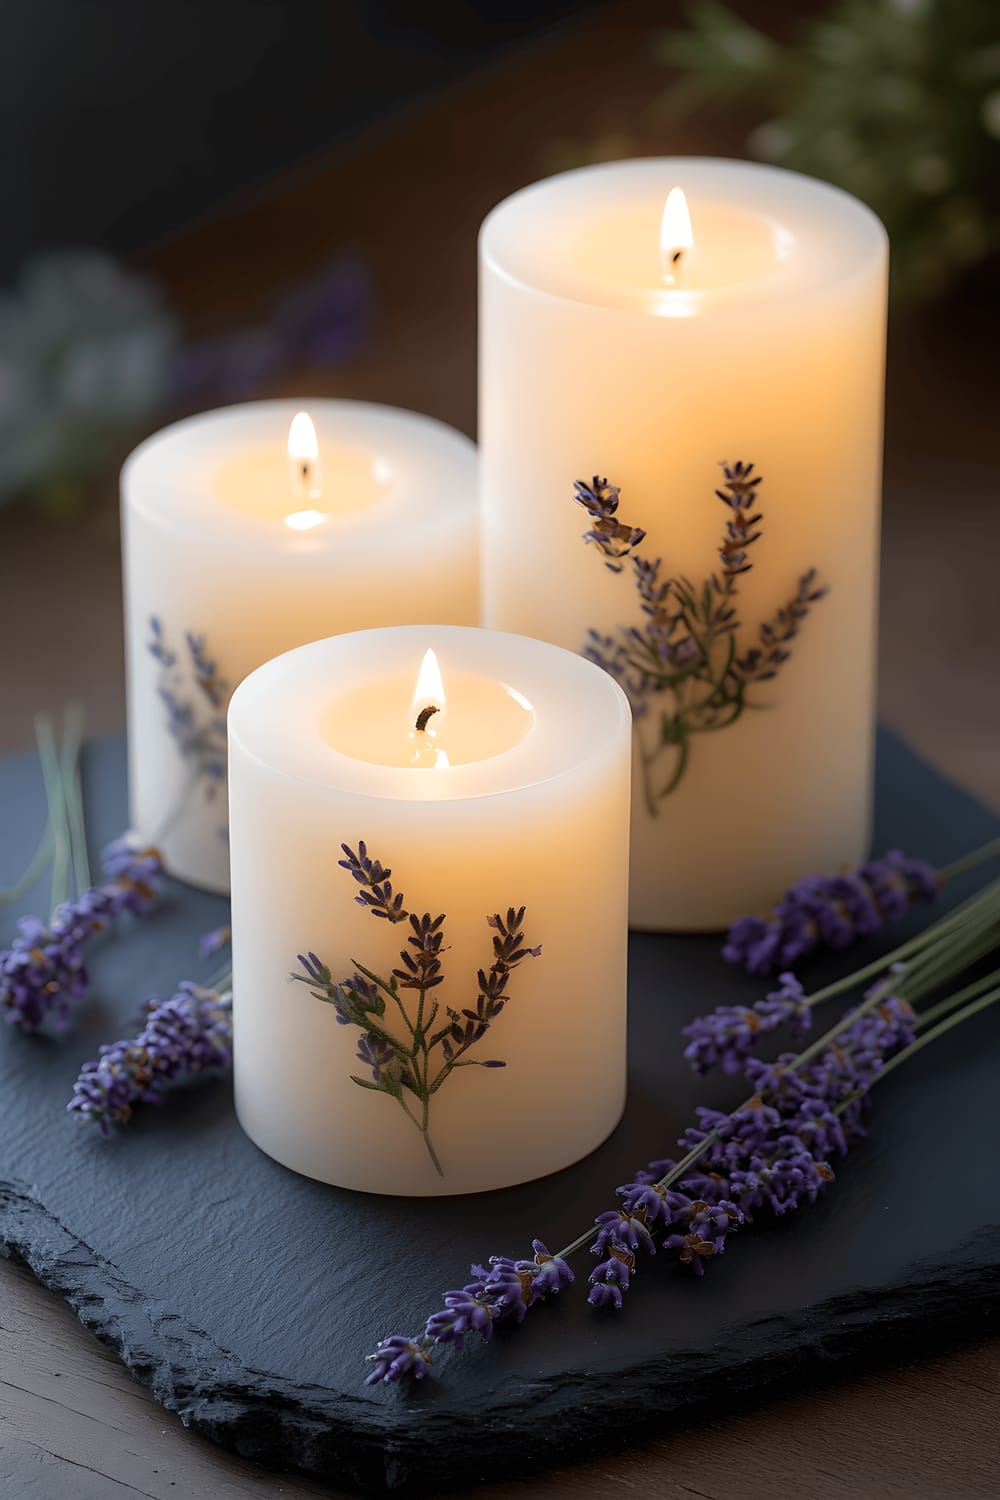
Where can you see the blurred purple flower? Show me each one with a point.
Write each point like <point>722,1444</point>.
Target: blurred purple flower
<point>321,323</point>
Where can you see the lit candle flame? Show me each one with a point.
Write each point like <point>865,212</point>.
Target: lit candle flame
<point>429,691</point>
<point>676,237</point>
<point>428,703</point>
<point>303,460</point>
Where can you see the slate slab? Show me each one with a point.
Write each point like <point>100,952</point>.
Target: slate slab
<point>246,1297</point>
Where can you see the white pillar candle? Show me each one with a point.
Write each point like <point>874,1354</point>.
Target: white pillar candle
<point>246,535</point>
<point>513,793</point>
<point>643,351</point>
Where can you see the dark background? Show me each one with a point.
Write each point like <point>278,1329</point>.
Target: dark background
<point>126,121</point>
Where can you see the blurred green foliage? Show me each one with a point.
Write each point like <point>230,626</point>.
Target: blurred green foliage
<point>897,101</point>
<point>86,355</point>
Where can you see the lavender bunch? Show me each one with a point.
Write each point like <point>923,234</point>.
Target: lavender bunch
<point>406,1056</point>
<point>771,1154</point>
<point>187,1034</point>
<point>834,911</point>
<point>684,657</point>
<point>44,969</point>
<point>730,1034</point>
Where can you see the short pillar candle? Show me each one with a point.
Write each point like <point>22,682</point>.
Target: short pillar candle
<point>475,777</point>
<point>252,530</point>
<point>641,322</point>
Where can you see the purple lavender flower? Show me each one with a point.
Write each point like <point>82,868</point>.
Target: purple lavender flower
<point>376,1055</point>
<point>709,1226</point>
<point>187,1034</point>
<point>503,1292</point>
<point>135,865</point>
<point>832,911</point>
<point>551,1273</point>
<point>323,322</point>
<point>608,534</point>
<point>610,1279</point>
<point>762,662</point>
<point>465,1311</point>
<point>619,1229</point>
<point>44,970</point>
<point>396,1357</point>
<point>213,942</point>
<point>377,894</point>
<point>767,1153</point>
<point>727,1036</point>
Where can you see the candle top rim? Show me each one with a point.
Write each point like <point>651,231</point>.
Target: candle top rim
<point>579,712</point>
<point>170,479</point>
<point>853,240</point>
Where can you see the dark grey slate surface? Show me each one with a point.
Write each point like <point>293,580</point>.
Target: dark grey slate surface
<point>247,1297</point>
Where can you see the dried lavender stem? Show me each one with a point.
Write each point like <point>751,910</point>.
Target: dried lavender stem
<point>970,861</point>
<point>943,1007</point>
<point>990,998</point>
<point>41,857</point>
<point>56,795</point>
<point>73,793</point>
<point>930,935</point>
<point>936,965</point>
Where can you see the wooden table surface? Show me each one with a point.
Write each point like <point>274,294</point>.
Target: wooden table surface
<point>73,1423</point>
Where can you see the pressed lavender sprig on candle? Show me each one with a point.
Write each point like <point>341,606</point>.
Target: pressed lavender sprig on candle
<point>414,1064</point>
<point>190,1032</point>
<point>195,696</point>
<point>685,657</point>
<point>833,911</point>
<point>769,1154</point>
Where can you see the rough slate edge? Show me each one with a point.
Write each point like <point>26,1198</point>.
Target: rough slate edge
<point>935,1305</point>
<point>376,1446</point>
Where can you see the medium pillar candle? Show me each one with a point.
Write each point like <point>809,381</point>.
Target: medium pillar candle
<point>489,776</point>
<point>254,529</point>
<point>643,346</point>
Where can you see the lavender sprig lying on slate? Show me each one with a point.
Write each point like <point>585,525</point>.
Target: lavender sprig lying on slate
<point>731,1033</point>
<point>772,1153</point>
<point>830,911</point>
<point>769,1153</point>
<point>44,969</point>
<point>186,1034</point>
<point>401,1051</point>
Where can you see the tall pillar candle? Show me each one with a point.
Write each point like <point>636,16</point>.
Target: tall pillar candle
<point>622,339</point>
<point>254,529</point>
<point>469,774</point>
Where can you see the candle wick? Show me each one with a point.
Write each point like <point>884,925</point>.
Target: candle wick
<point>425,715</point>
<point>675,259</point>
